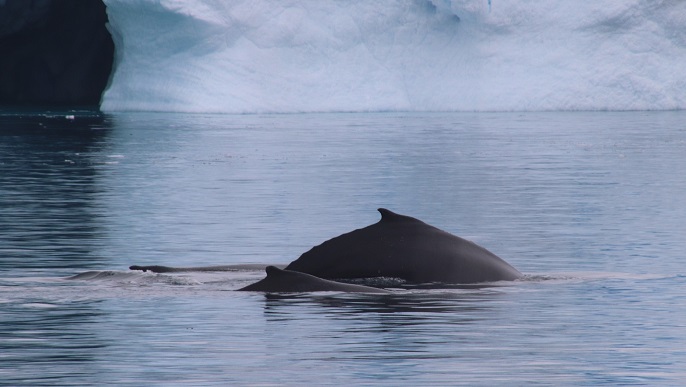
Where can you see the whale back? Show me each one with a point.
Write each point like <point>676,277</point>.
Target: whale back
<point>404,247</point>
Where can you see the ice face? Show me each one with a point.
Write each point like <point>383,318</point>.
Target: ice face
<point>439,55</point>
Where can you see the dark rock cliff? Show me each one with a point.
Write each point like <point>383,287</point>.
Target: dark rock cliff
<point>54,52</point>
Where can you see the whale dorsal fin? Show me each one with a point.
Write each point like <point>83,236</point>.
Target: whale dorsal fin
<point>390,216</point>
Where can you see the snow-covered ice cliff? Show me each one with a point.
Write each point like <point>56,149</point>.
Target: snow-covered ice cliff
<point>423,55</point>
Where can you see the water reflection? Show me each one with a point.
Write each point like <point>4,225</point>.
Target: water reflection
<point>47,191</point>
<point>404,302</point>
<point>386,337</point>
<point>43,342</point>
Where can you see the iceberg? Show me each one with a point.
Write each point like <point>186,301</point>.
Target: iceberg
<point>256,56</point>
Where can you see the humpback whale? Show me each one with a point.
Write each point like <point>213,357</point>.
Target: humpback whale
<point>279,280</point>
<point>399,246</point>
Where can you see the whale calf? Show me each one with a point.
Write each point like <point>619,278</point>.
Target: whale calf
<point>287,281</point>
<point>399,246</point>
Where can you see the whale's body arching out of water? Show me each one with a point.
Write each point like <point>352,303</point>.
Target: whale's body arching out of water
<point>397,246</point>
<point>400,246</point>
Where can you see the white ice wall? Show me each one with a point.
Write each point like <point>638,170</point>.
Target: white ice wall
<point>361,55</point>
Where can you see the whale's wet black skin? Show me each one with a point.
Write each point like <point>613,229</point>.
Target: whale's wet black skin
<point>400,246</point>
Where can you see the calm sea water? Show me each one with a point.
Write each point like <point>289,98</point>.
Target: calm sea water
<point>589,205</point>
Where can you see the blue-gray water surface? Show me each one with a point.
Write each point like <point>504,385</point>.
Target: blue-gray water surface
<point>589,205</point>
